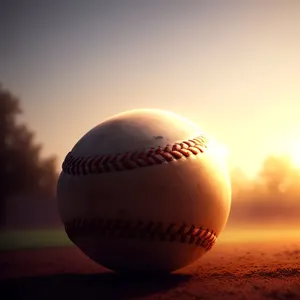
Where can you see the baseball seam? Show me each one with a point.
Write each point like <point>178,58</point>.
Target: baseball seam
<point>118,228</point>
<point>99,164</point>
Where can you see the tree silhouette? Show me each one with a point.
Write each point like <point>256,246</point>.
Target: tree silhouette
<point>23,171</point>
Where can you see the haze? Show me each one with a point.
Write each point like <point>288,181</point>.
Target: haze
<point>231,67</point>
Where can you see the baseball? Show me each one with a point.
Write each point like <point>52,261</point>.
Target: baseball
<point>145,190</point>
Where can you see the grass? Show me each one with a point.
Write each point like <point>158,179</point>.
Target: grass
<point>30,239</point>
<point>258,235</point>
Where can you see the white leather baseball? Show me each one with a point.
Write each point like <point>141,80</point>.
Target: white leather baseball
<point>145,190</point>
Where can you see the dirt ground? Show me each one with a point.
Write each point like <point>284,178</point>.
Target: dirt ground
<point>256,270</point>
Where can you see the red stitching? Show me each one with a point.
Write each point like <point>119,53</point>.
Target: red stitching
<point>200,237</point>
<point>133,160</point>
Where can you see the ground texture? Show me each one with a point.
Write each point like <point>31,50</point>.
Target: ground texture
<point>256,270</point>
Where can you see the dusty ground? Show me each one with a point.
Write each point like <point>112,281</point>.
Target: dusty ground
<point>256,270</point>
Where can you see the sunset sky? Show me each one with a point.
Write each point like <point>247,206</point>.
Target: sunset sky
<point>231,67</point>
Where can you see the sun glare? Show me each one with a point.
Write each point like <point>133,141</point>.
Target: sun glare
<point>221,150</point>
<point>224,152</point>
<point>294,152</point>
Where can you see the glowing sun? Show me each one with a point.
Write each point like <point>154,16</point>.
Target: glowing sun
<point>294,152</point>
